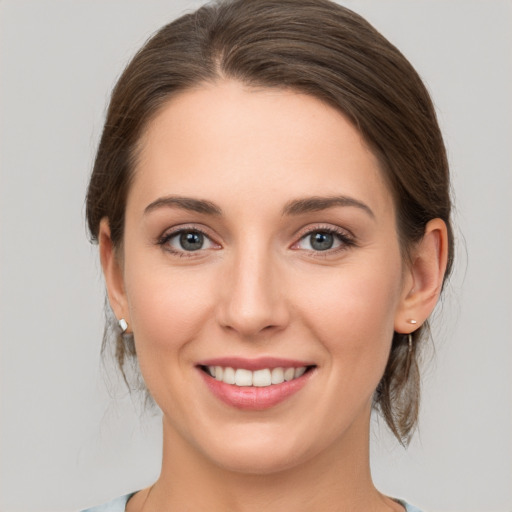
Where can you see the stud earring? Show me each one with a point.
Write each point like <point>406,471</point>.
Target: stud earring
<point>123,324</point>
<point>412,321</point>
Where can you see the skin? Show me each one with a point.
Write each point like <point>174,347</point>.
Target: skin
<point>258,288</point>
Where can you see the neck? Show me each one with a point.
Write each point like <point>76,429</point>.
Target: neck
<point>336,479</point>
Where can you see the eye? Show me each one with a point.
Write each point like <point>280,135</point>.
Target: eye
<point>187,240</point>
<point>320,241</point>
<point>324,240</point>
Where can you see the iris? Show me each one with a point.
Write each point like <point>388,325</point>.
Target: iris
<point>191,240</point>
<point>321,241</point>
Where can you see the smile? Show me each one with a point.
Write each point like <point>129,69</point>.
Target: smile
<point>258,378</point>
<point>255,384</point>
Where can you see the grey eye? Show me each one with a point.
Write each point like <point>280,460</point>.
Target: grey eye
<point>321,241</point>
<point>191,240</point>
<point>185,241</point>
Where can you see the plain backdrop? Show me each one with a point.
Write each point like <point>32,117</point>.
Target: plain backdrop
<point>66,441</point>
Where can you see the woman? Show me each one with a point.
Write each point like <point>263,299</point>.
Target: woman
<point>271,201</point>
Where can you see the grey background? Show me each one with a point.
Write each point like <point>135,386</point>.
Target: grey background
<point>66,441</point>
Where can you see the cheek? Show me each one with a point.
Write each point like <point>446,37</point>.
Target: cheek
<point>352,310</point>
<point>167,308</point>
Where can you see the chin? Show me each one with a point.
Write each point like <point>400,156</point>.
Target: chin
<point>256,460</point>
<point>265,449</point>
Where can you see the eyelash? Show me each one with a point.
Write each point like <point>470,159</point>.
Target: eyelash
<point>166,237</point>
<point>347,240</point>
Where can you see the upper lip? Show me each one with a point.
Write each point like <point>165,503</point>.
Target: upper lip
<point>259,363</point>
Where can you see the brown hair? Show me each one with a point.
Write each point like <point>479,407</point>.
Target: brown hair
<point>316,47</point>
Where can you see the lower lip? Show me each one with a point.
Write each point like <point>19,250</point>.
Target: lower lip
<point>253,397</point>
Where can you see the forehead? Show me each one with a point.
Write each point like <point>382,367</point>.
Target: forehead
<point>225,138</point>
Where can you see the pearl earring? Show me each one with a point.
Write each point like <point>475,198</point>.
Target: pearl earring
<point>412,321</point>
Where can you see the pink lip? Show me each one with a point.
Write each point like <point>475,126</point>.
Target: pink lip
<point>252,397</point>
<point>254,364</point>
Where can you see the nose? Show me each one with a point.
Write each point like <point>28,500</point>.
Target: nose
<point>253,300</point>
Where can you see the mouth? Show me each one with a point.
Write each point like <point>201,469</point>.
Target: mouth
<point>255,384</point>
<point>261,378</point>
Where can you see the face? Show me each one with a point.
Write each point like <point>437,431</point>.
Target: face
<point>261,275</point>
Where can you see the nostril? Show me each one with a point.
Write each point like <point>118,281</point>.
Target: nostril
<point>250,303</point>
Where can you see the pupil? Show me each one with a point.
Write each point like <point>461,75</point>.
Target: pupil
<point>191,241</point>
<point>322,241</point>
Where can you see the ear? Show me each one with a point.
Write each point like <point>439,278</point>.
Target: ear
<point>423,279</point>
<point>113,272</point>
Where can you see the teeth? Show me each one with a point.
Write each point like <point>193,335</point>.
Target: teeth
<point>259,378</point>
<point>299,372</point>
<point>243,377</point>
<point>229,376</point>
<point>289,374</point>
<point>277,376</point>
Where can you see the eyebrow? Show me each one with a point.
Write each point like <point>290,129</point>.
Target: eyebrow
<point>316,203</point>
<point>184,203</point>
<point>294,207</point>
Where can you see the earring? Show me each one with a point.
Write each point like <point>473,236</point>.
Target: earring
<point>123,324</point>
<point>412,321</point>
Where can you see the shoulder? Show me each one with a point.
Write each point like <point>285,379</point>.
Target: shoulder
<point>119,505</point>
<point>116,505</point>
<point>408,508</point>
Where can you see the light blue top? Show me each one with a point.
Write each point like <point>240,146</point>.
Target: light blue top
<point>119,505</point>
